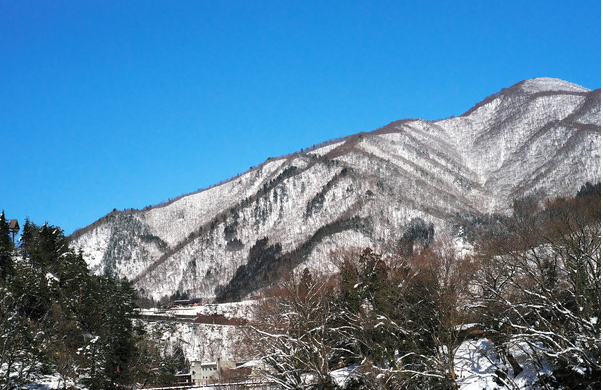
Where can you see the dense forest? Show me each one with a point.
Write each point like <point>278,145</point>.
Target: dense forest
<point>59,321</point>
<point>528,287</point>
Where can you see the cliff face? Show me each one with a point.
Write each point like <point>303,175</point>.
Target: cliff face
<point>540,136</point>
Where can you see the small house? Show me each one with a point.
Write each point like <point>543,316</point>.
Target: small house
<point>202,373</point>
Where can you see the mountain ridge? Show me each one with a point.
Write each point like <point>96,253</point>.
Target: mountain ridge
<point>384,129</point>
<point>516,142</point>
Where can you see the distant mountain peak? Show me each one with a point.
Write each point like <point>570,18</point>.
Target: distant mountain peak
<point>530,87</point>
<point>547,84</point>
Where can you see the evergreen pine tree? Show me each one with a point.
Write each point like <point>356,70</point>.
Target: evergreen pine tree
<point>27,237</point>
<point>6,248</point>
<point>55,317</point>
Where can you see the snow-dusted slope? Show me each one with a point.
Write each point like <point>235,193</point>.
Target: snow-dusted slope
<point>538,136</point>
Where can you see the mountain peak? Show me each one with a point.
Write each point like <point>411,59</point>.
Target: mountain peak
<point>531,87</point>
<point>547,84</point>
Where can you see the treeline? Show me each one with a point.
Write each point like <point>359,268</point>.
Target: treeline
<point>56,319</point>
<point>532,290</point>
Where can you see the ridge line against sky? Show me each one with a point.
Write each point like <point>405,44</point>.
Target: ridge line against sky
<point>122,105</point>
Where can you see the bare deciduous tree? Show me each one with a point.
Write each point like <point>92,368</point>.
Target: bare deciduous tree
<point>541,289</point>
<point>299,333</point>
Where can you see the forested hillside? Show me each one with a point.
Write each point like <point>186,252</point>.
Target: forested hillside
<point>60,323</point>
<point>520,310</point>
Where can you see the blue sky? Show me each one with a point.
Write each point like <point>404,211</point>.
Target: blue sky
<point>120,104</point>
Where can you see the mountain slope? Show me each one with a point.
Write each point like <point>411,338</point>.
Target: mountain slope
<point>538,136</point>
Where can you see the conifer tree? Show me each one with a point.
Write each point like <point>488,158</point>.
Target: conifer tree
<point>6,248</point>
<point>56,317</point>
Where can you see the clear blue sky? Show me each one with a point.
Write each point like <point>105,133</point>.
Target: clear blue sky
<point>119,104</point>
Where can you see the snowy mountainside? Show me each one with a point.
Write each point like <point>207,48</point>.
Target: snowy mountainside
<point>218,341</point>
<point>178,327</point>
<point>538,136</point>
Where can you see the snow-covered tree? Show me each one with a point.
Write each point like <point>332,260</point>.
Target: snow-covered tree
<point>407,323</point>
<point>541,290</point>
<point>55,317</point>
<point>299,332</point>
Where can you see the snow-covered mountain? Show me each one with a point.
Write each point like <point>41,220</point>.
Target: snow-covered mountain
<point>540,136</point>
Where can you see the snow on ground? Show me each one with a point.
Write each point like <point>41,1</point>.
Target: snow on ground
<point>228,310</point>
<point>476,365</point>
<point>51,382</point>
<point>345,375</point>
